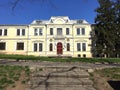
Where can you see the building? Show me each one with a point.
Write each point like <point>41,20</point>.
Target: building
<point>58,36</point>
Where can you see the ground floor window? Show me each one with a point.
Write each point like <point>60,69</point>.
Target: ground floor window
<point>68,47</point>
<point>81,46</point>
<point>2,45</point>
<point>78,47</point>
<point>20,46</point>
<point>38,47</point>
<point>51,47</point>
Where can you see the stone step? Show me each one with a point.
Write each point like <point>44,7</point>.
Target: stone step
<point>61,81</point>
<point>62,73</point>
<point>61,87</point>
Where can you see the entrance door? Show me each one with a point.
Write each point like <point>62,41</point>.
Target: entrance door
<point>59,48</point>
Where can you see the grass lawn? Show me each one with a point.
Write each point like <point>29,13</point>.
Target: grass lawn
<point>10,75</point>
<point>90,60</point>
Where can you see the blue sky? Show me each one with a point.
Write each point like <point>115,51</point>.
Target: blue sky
<point>26,11</point>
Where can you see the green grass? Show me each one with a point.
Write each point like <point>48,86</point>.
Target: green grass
<point>38,58</point>
<point>111,73</point>
<point>10,74</point>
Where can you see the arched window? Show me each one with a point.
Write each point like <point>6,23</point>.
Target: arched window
<point>68,47</point>
<point>51,47</point>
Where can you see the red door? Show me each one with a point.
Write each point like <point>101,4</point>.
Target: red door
<point>59,48</point>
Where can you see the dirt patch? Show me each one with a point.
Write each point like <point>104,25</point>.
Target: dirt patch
<point>100,83</point>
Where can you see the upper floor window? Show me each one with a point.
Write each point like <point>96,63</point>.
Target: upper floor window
<point>67,31</point>
<point>51,47</point>
<point>83,31</point>
<point>2,45</point>
<point>80,31</point>
<point>68,47</point>
<point>59,31</point>
<point>20,46</point>
<point>38,31</point>
<point>20,32</point>
<point>51,31</point>
<point>38,47</point>
<point>3,32</point>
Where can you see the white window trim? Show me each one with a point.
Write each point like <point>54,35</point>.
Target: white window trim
<point>3,32</point>
<point>20,32</point>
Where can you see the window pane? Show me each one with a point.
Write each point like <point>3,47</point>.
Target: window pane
<point>40,46</point>
<point>5,32</point>
<point>35,32</point>
<point>83,31</point>
<point>68,47</point>
<point>51,47</point>
<point>51,31</point>
<point>18,32</point>
<point>20,46</point>
<point>35,47</point>
<point>2,45</point>
<point>0,32</point>
<point>78,31</point>
<point>23,32</point>
<point>67,31</point>
<point>59,31</point>
<point>78,47</point>
<point>84,46</point>
<point>40,31</point>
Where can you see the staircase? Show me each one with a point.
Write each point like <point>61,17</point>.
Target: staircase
<point>60,78</point>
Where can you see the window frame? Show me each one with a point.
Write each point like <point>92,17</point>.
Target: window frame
<point>20,32</point>
<point>51,47</point>
<point>20,46</point>
<point>2,45</point>
<point>78,46</point>
<point>68,46</point>
<point>67,31</point>
<point>78,31</point>
<point>51,31</point>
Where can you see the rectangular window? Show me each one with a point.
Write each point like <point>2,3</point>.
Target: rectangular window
<point>40,31</point>
<point>40,46</point>
<point>35,32</point>
<point>35,47</point>
<point>20,46</point>
<point>83,46</point>
<point>5,32</point>
<point>23,32</point>
<point>68,47</point>
<point>51,31</point>
<point>78,31</point>
<point>83,31</point>
<point>0,32</point>
<point>78,47</point>
<point>59,31</point>
<point>67,31</point>
<point>2,45</point>
<point>18,32</point>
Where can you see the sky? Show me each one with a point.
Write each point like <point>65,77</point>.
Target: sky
<point>28,10</point>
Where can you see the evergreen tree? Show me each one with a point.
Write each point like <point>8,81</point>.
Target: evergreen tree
<point>105,28</point>
<point>117,22</point>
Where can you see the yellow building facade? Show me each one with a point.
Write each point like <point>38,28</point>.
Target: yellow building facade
<point>58,36</point>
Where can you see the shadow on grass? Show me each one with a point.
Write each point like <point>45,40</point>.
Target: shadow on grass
<point>114,84</point>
